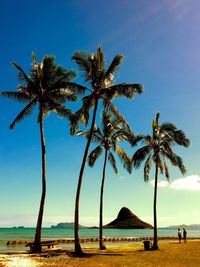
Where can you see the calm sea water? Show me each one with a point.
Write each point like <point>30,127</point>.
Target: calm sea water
<point>7,234</point>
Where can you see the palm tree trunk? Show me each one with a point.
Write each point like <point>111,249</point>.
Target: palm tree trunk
<point>155,239</point>
<point>37,241</point>
<point>101,243</point>
<point>78,250</point>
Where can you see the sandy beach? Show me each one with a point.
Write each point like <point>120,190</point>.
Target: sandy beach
<point>170,254</point>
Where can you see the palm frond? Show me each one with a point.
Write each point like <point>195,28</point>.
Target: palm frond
<point>147,168</point>
<point>159,163</point>
<point>110,107</point>
<point>19,96</point>
<point>62,111</point>
<point>125,135</point>
<point>181,139</point>
<point>88,103</point>
<point>49,70</point>
<point>175,160</point>
<point>167,127</point>
<point>71,86</point>
<point>124,158</point>
<point>22,75</point>
<point>82,60</point>
<point>75,121</point>
<point>25,112</point>
<point>113,68</point>
<point>140,155</point>
<point>62,95</point>
<point>82,115</point>
<point>127,90</point>
<point>100,60</point>
<point>94,155</point>
<point>166,169</point>
<point>34,58</point>
<point>97,136</point>
<point>112,161</point>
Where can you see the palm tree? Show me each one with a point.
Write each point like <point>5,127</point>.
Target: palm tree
<point>101,86</point>
<point>48,86</point>
<point>107,139</point>
<point>157,149</point>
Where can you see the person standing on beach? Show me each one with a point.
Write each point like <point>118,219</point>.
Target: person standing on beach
<point>184,235</point>
<point>179,235</point>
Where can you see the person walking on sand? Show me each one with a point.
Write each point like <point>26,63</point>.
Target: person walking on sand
<point>184,235</point>
<point>179,235</point>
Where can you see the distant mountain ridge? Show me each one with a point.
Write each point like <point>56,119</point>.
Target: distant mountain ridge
<point>127,220</point>
<point>66,225</point>
<point>189,227</point>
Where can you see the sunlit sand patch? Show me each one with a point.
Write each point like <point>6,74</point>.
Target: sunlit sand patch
<point>21,262</point>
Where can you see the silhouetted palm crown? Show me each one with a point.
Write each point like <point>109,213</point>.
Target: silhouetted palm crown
<point>158,148</point>
<point>47,84</point>
<point>107,137</point>
<point>101,84</point>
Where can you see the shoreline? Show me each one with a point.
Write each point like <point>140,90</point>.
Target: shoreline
<point>21,246</point>
<point>96,239</point>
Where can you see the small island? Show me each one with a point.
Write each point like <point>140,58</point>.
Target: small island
<point>66,225</point>
<point>127,220</point>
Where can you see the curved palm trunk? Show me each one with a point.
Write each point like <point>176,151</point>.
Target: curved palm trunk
<point>78,250</point>
<point>101,243</point>
<point>37,241</point>
<point>155,238</point>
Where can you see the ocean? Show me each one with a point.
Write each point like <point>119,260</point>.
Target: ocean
<point>7,234</point>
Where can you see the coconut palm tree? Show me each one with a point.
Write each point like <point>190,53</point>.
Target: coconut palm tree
<point>157,150</point>
<point>49,86</point>
<point>100,87</point>
<point>107,139</point>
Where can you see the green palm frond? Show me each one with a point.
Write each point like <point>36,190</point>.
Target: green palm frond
<point>110,107</point>
<point>181,139</point>
<point>75,121</point>
<point>147,168</point>
<point>175,160</point>
<point>100,60</point>
<point>82,59</point>
<point>62,95</point>
<point>97,135</point>
<point>20,97</point>
<point>25,112</point>
<point>140,155</point>
<point>72,86</point>
<point>167,127</point>
<point>34,57</point>
<point>88,103</point>
<point>159,163</point>
<point>21,75</point>
<point>124,158</point>
<point>126,135</point>
<point>94,155</point>
<point>62,111</point>
<point>48,68</point>
<point>112,161</point>
<point>166,169</point>
<point>127,90</point>
<point>113,68</point>
<point>180,165</point>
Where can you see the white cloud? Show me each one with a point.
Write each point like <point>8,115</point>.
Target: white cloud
<point>191,183</point>
<point>188,183</point>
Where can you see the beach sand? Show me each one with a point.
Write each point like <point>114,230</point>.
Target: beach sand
<point>170,254</point>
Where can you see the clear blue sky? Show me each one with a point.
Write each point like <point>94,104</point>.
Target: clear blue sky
<point>161,43</point>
